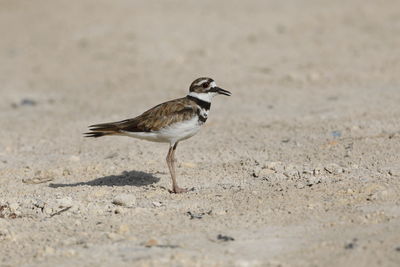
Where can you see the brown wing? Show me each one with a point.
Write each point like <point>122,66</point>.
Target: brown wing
<point>152,120</point>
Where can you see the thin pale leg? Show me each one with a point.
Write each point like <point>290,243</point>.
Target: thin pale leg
<point>171,166</point>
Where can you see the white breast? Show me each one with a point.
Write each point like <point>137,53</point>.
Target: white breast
<point>172,133</point>
<point>181,130</point>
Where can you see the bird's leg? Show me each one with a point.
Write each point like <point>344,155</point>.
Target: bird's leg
<point>171,165</point>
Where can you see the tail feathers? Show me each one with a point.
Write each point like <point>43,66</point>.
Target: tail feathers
<point>103,129</point>
<point>97,134</point>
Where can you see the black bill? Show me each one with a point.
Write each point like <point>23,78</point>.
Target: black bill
<point>221,91</point>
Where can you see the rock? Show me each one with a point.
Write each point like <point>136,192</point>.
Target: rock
<point>336,134</point>
<point>334,169</point>
<point>123,229</point>
<point>64,202</point>
<point>352,244</point>
<point>66,172</point>
<point>225,238</point>
<point>38,203</point>
<point>151,243</point>
<point>266,172</point>
<point>262,172</point>
<point>10,210</point>
<point>118,210</point>
<point>350,191</point>
<point>275,177</point>
<point>28,102</point>
<point>395,171</point>
<point>312,180</point>
<point>157,204</point>
<point>114,236</point>
<point>194,215</point>
<point>48,210</point>
<point>126,200</point>
<point>256,171</point>
<point>276,166</point>
<point>307,171</point>
<point>318,170</point>
<point>40,177</point>
<point>291,173</point>
<point>14,207</point>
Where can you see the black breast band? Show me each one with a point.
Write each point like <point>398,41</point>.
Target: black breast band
<point>202,104</point>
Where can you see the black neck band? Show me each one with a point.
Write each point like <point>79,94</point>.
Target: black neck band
<point>203,104</point>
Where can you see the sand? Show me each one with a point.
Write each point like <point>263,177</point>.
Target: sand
<point>299,167</point>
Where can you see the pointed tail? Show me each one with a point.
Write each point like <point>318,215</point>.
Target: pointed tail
<point>102,129</point>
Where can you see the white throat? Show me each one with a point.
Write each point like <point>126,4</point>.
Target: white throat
<point>203,96</point>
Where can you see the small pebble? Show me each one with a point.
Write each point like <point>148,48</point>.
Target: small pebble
<point>123,229</point>
<point>394,171</point>
<point>352,244</point>
<point>114,236</point>
<point>28,102</point>
<point>336,134</point>
<point>127,200</point>
<point>277,166</point>
<point>334,169</point>
<point>118,210</point>
<point>151,243</point>
<point>64,202</point>
<point>313,180</point>
<point>225,238</point>
<point>275,177</point>
<point>350,191</point>
<point>157,204</point>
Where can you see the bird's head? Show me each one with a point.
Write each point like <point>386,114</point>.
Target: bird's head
<point>205,89</point>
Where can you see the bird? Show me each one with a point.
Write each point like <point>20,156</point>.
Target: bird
<point>169,122</point>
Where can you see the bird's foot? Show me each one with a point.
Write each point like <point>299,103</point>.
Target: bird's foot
<point>178,190</point>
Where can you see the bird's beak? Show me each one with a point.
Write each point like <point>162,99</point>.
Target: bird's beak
<point>222,91</point>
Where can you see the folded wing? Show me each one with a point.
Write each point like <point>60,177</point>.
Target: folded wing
<point>152,120</point>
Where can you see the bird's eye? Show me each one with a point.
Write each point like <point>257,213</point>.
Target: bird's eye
<point>205,85</point>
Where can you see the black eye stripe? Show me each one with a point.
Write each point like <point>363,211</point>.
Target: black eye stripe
<point>205,85</point>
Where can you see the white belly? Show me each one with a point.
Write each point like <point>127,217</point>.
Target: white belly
<point>171,134</point>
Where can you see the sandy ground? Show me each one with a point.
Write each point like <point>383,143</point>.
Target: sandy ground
<point>300,167</point>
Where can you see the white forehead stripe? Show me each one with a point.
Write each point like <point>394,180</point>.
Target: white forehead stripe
<point>201,82</point>
<point>213,84</point>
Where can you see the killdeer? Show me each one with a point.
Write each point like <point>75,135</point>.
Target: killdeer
<point>169,122</point>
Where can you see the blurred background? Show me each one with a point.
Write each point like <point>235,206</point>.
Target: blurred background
<point>97,55</point>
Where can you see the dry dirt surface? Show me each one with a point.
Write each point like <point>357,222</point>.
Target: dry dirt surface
<point>299,167</point>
